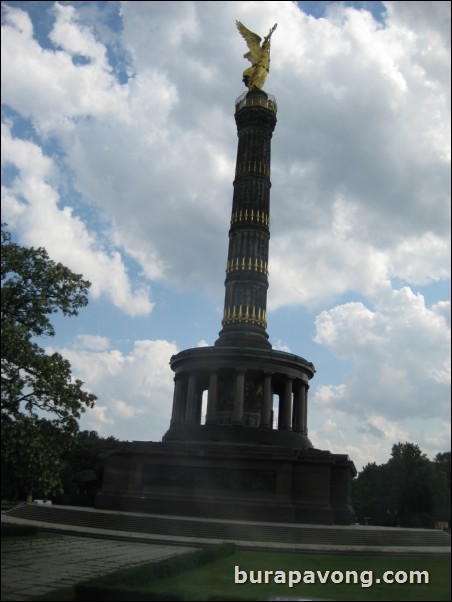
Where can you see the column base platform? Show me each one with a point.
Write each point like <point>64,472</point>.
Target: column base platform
<point>230,481</point>
<point>237,434</point>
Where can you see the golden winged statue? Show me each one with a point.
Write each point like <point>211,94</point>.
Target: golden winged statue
<point>259,56</point>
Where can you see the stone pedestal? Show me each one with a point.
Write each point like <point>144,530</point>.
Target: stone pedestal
<point>231,481</point>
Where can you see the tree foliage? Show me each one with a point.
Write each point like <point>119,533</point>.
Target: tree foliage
<point>408,491</point>
<point>40,400</point>
<point>33,457</point>
<point>83,470</point>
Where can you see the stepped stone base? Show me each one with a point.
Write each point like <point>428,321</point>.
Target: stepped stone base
<point>249,535</point>
<point>229,481</point>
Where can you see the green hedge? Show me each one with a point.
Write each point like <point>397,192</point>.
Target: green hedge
<point>14,530</point>
<point>135,583</point>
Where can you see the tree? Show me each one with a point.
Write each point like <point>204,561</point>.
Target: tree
<point>410,482</point>
<point>409,490</point>
<point>442,463</point>
<point>442,469</point>
<point>34,454</point>
<point>84,467</point>
<point>40,400</point>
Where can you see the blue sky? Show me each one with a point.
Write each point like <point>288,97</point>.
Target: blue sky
<point>119,146</point>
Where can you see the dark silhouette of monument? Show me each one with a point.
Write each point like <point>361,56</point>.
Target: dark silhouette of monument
<point>243,462</point>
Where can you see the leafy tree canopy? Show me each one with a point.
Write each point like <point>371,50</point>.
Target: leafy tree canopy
<point>40,400</point>
<point>409,490</point>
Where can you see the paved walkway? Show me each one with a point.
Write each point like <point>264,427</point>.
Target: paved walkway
<point>36,566</point>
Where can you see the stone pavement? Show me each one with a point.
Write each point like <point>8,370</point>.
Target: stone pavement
<point>35,566</point>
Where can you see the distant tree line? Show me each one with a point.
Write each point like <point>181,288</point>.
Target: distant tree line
<point>408,491</point>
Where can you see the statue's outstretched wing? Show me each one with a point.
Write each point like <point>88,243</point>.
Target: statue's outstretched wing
<point>253,42</point>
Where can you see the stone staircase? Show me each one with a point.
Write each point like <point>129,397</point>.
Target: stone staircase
<point>324,537</point>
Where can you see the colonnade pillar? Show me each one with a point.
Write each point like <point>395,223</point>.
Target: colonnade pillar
<point>212,399</point>
<point>300,407</point>
<point>267,404</point>
<point>285,407</point>
<point>304,407</point>
<point>198,406</point>
<point>178,402</point>
<point>190,412</point>
<point>239,396</point>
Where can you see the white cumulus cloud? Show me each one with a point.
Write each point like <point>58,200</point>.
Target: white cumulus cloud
<point>134,389</point>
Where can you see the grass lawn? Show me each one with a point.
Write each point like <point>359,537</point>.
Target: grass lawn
<point>39,535</point>
<point>216,580</point>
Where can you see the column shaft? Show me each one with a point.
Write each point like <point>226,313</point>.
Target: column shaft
<point>178,403</point>
<point>285,418</point>
<point>299,406</point>
<point>239,397</point>
<point>212,399</point>
<point>190,414</point>
<point>266,419</point>
<point>304,406</point>
<point>198,406</point>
